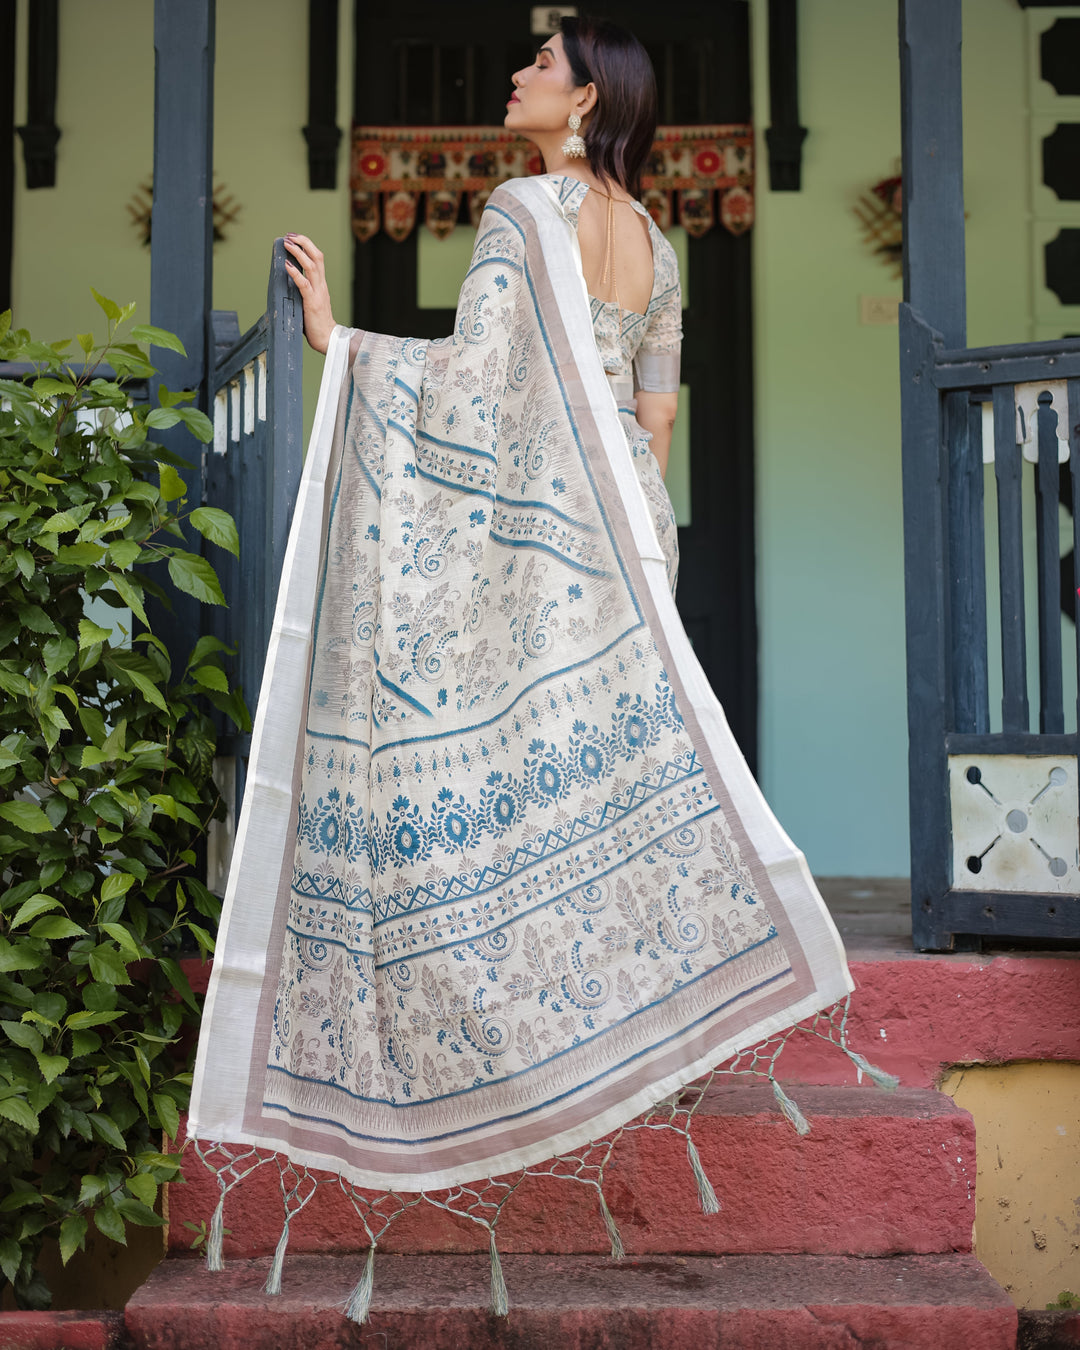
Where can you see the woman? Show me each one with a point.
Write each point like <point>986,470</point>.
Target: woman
<point>502,879</point>
<point>638,332</point>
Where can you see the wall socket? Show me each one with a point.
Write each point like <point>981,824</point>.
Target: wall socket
<point>879,309</point>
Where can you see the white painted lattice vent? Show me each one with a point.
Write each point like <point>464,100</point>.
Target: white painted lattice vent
<point>1014,823</point>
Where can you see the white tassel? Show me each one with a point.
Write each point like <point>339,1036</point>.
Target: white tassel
<point>359,1304</point>
<point>887,1081</point>
<point>706,1194</point>
<point>500,1305</point>
<point>273,1280</point>
<point>215,1240</point>
<point>617,1250</point>
<point>790,1109</point>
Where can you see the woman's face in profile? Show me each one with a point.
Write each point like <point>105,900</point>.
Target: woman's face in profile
<point>544,92</point>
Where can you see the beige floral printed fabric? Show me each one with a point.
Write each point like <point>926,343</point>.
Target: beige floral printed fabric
<point>502,879</point>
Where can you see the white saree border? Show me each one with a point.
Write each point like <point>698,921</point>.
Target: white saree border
<point>266,827</point>
<point>230,1101</point>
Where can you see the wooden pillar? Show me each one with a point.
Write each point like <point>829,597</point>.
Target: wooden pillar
<point>931,120</point>
<point>181,271</point>
<point>933,165</point>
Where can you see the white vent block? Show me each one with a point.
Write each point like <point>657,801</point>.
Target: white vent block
<point>1015,823</point>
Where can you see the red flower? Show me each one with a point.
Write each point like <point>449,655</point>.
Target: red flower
<point>372,164</point>
<point>707,161</point>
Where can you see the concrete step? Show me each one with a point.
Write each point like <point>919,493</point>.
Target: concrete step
<point>583,1303</point>
<point>904,1163</point>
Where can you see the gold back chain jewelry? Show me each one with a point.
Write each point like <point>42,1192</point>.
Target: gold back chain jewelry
<point>609,249</point>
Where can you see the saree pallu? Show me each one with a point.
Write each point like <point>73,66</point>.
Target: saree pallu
<point>502,879</point>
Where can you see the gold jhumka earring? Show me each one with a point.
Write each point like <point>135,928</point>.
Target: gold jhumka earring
<point>574,145</point>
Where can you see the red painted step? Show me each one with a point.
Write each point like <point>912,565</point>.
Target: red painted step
<point>583,1303</point>
<point>905,1160</point>
<point>92,1330</point>
<point>915,1015</point>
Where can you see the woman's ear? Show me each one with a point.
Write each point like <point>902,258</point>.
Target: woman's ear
<point>586,100</point>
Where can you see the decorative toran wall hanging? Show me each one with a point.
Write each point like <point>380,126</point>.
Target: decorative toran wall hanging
<point>694,176</point>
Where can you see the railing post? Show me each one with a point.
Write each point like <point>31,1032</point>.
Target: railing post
<point>924,466</point>
<point>182,236</point>
<point>284,376</point>
<point>255,465</point>
<point>932,129</point>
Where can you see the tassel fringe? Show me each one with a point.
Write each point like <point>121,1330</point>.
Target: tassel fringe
<point>215,1240</point>
<point>273,1280</point>
<point>359,1304</point>
<point>709,1203</point>
<point>358,1307</point>
<point>500,1304</point>
<point>790,1109</point>
<point>888,1082</point>
<point>615,1237</point>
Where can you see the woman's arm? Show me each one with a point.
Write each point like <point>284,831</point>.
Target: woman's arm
<point>656,413</point>
<point>310,279</point>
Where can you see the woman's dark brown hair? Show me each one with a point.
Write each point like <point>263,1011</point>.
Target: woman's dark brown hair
<point>621,130</point>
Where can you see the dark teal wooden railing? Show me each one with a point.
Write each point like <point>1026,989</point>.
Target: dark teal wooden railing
<point>990,797</point>
<point>951,663</point>
<point>252,470</point>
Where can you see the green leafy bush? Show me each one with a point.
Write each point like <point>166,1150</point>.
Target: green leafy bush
<point>105,793</point>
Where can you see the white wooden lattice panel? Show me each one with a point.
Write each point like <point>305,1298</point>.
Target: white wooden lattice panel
<point>1014,823</point>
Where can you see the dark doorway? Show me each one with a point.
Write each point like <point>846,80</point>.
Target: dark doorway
<point>424,62</point>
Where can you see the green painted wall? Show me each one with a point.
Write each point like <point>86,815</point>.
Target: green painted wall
<point>261,155</point>
<point>830,543</point>
<point>80,234</point>
<point>830,582</point>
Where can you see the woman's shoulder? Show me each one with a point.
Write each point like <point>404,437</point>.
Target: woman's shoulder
<point>665,259</point>
<point>661,243</point>
<point>563,185</point>
<point>540,192</point>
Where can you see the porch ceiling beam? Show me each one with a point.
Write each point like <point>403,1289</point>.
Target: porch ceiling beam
<point>784,138</point>
<point>322,133</point>
<point>40,134</point>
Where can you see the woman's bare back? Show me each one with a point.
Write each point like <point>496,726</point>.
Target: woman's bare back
<point>630,278</point>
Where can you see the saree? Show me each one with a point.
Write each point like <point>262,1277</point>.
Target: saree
<point>502,879</point>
